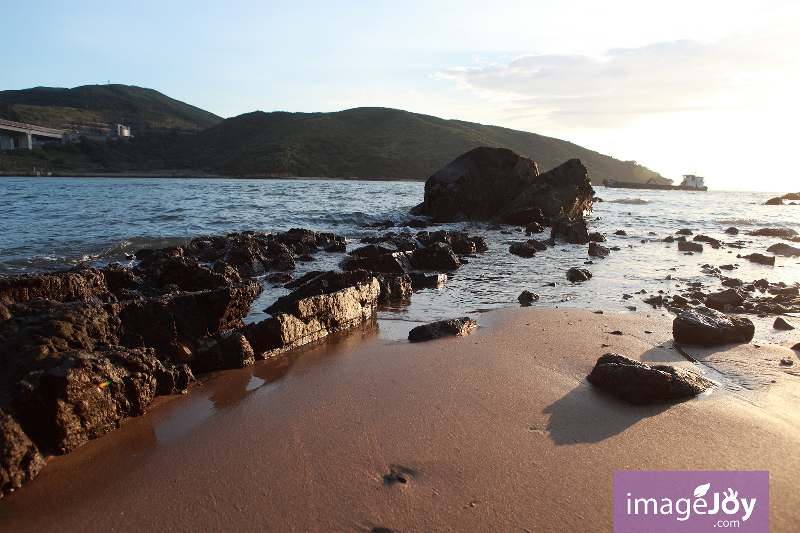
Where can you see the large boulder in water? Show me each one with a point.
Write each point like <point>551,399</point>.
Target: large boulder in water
<point>487,183</point>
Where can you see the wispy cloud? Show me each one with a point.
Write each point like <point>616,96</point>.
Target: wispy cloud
<point>623,85</point>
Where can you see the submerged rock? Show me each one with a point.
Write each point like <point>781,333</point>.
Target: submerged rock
<point>443,328</point>
<point>576,274</point>
<point>570,230</point>
<point>784,249</point>
<point>760,259</point>
<point>688,246</point>
<point>708,327</point>
<point>527,297</point>
<point>642,384</point>
<point>596,250</point>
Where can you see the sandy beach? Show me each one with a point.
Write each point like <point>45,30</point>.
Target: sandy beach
<point>498,430</point>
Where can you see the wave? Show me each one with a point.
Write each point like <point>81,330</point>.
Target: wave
<point>632,201</point>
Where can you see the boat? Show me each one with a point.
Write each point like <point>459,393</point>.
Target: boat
<point>690,183</point>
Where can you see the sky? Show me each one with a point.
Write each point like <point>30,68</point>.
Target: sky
<point>682,87</point>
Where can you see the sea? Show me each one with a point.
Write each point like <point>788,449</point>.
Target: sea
<point>48,224</point>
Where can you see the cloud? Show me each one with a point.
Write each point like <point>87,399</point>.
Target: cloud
<point>627,84</point>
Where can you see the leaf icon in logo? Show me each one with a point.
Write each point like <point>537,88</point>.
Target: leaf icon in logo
<point>700,491</point>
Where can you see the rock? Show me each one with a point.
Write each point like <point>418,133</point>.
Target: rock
<point>596,236</point>
<point>77,284</point>
<point>576,274</point>
<point>86,395</point>
<point>527,297</point>
<point>570,230</point>
<point>436,256</point>
<point>487,183</point>
<point>786,233</point>
<point>397,263</point>
<point>533,227</point>
<point>683,231</point>
<point>595,250</point>
<point>422,281</point>
<point>708,327</point>
<point>20,459</point>
<point>784,249</point>
<point>780,323</point>
<point>312,318</point>
<point>732,231</point>
<point>655,301</point>
<point>642,384</point>
<point>710,240</point>
<point>443,328</point>
<point>232,352</point>
<point>526,216</point>
<point>791,196</point>
<point>621,232</point>
<point>760,259</point>
<point>719,300</point>
<point>688,246</point>
<point>787,361</point>
<point>774,201</point>
<point>525,249</point>
<point>395,288</point>
<point>316,283</point>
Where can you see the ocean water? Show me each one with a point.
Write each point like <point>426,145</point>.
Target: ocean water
<point>53,223</point>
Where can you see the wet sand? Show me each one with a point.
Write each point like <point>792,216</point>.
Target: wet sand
<point>497,430</point>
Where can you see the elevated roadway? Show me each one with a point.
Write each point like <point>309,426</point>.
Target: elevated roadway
<point>15,135</point>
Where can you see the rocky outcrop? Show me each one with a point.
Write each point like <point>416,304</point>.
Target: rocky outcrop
<point>761,259</point>
<point>309,319</point>
<point>785,233</point>
<point>688,246</point>
<point>784,249</point>
<point>774,201</point>
<point>443,328</point>
<point>596,250</point>
<point>719,300</point>
<point>527,297</point>
<point>708,327</point>
<point>87,394</point>
<point>487,183</point>
<point>642,384</point>
<point>20,459</point>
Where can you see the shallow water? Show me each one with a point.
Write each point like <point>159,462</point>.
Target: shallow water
<point>53,223</point>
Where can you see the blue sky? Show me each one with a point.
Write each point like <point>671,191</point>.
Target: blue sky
<point>681,87</point>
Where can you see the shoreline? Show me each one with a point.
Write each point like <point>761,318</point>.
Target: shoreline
<point>497,429</point>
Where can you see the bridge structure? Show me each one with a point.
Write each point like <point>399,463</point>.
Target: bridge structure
<point>14,135</point>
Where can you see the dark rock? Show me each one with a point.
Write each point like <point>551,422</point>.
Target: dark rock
<point>642,384</point>
<point>86,395</point>
<point>782,324</point>
<point>375,250</point>
<point>576,274</point>
<point>488,183</point>
<point>436,256</point>
<point>596,236</point>
<point>688,246</point>
<point>522,249</point>
<point>732,231</point>
<point>394,288</point>
<point>719,300</point>
<point>316,283</point>
<point>683,231</point>
<point>708,327</point>
<point>710,240</point>
<point>397,263</point>
<point>784,249</point>
<point>526,216</point>
<point>595,250</point>
<point>621,232</point>
<point>786,233</point>
<point>655,301</point>
<point>443,328</point>
<point>774,201</point>
<point>312,318</point>
<point>731,282</point>
<point>571,230</point>
<point>422,281</point>
<point>527,297</point>
<point>20,459</point>
<point>533,227</point>
<point>760,259</point>
<point>791,196</point>
<point>77,284</point>
<point>232,352</point>
<point>668,238</point>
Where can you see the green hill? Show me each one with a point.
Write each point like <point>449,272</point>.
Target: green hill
<point>93,108</point>
<point>373,143</point>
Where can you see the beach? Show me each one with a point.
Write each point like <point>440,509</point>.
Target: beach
<point>498,430</point>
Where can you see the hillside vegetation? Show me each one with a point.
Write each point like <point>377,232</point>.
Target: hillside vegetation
<point>376,143</point>
<point>92,108</point>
